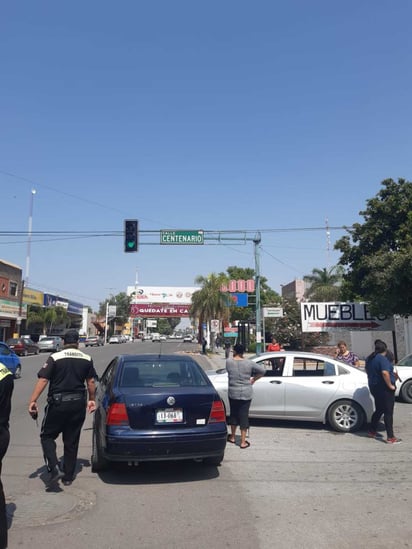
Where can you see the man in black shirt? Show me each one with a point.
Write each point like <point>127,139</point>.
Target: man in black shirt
<point>6,390</point>
<point>66,373</point>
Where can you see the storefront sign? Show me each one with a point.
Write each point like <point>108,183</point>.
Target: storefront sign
<point>155,310</point>
<point>323,317</point>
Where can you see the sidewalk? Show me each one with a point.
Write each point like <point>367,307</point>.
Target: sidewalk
<point>217,359</point>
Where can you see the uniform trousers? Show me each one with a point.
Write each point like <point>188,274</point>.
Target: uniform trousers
<point>65,418</point>
<point>384,404</point>
<point>4,443</point>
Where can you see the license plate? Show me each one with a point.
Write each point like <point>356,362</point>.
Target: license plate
<point>169,415</point>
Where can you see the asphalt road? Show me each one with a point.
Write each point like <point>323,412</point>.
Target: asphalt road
<point>299,485</point>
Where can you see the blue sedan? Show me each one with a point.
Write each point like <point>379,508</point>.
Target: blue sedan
<point>155,408</point>
<point>10,359</point>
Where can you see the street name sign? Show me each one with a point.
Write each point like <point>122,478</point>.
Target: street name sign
<point>324,317</point>
<point>192,237</point>
<point>273,312</point>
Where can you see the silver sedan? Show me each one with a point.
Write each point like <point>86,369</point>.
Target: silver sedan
<point>307,387</point>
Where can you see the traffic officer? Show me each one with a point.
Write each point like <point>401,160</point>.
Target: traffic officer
<point>66,373</point>
<point>6,390</point>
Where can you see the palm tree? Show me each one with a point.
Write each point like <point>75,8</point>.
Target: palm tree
<point>325,284</point>
<point>46,317</point>
<point>209,302</point>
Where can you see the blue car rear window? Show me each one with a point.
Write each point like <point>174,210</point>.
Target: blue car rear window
<point>162,374</point>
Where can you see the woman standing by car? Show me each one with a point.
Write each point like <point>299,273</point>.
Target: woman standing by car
<point>381,381</point>
<point>242,374</point>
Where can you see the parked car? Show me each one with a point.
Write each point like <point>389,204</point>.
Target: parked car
<point>404,383</point>
<point>10,359</point>
<point>23,346</point>
<point>188,338</point>
<point>306,387</point>
<point>156,408</point>
<point>114,339</point>
<point>50,344</point>
<point>155,337</point>
<point>93,341</point>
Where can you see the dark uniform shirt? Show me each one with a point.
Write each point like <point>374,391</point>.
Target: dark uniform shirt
<point>375,365</point>
<point>67,371</point>
<point>6,390</point>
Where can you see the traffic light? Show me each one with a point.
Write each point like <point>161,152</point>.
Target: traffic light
<point>130,235</point>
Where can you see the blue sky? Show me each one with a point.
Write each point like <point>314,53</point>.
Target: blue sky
<point>219,115</point>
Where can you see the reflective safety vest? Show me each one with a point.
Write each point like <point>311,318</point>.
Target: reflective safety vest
<point>4,371</point>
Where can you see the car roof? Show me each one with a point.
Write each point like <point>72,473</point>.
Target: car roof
<point>155,356</point>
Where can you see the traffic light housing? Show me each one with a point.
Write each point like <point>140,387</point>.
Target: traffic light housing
<point>130,235</point>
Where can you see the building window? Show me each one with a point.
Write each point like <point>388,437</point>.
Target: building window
<point>13,289</point>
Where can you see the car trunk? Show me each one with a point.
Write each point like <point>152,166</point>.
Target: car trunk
<point>169,409</point>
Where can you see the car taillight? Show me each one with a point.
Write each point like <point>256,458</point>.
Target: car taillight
<point>117,415</point>
<point>217,413</point>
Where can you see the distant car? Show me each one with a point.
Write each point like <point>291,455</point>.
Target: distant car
<point>23,346</point>
<point>188,338</point>
<point>157,408</point>
<point>50,344</point>
<point>306,387</point>
<point>114,339</point>
<point>404,383</point>
<point>163,337</point>
<point>155,337</point>
<point>93,341</point>
<point>10,359</point>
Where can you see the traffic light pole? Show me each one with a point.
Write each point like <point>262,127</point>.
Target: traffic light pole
<point>256,241</point>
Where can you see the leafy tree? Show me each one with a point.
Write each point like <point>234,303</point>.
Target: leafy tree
<point>122,302</point>
<point>325,284</point>
<point>167,325</point>
<point>288,329</point>
<point>378,253</point>
<point>47,318</point>
<point>267,295</point>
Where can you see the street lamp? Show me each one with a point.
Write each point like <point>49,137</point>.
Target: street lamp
<point>33,192</point>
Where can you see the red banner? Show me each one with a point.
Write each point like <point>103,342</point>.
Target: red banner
<point>151,310</point>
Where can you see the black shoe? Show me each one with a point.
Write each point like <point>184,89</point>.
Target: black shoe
<point>55,474</point>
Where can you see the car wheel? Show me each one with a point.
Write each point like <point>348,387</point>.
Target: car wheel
<point>214,461</point>
<point>346,416</point>
<point>406,391</point>
<point>17,374</point>
<point>98,461</point>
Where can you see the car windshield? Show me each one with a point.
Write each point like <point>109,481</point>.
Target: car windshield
<point>158,373</point>
<point>47,340</point>
<point>13,341</point>
<point>406,361</point>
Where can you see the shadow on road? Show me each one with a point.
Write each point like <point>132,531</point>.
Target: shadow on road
<point>158,473</point>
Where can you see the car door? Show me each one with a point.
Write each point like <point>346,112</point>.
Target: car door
<point>8,358</point>
<point>103,395</point>
<point>310,388</point>
<point>269,391</point>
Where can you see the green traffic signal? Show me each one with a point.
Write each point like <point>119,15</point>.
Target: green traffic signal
<point>130,235</point>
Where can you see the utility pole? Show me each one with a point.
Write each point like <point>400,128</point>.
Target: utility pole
<point>256,241</point>
<point>29,233</point>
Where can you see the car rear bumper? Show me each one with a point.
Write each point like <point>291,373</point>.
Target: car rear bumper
<point>149,447</point>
